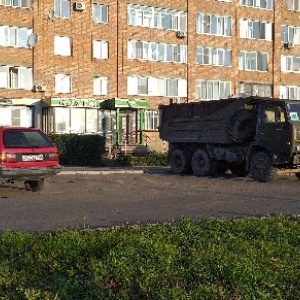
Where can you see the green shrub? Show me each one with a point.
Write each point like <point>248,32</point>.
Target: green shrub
<point>79,150</point>
<point>211,259</point>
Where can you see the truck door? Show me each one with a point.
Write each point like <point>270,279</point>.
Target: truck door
<point>275,131</point>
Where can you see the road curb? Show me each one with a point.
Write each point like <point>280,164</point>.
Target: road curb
<point>101,172</point>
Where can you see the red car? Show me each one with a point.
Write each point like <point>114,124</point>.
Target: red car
<point>27,154</point>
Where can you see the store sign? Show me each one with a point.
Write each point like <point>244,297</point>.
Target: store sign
<point>72,102</point>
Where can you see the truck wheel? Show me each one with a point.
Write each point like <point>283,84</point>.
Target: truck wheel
<point>203,165</point>
<point>34,185</point>
<point>180,161</point>
<point>239,169</point>
<point>242,126</point>
<point>261,166</point>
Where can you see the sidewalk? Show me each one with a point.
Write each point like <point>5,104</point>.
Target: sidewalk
<point>113,170</point>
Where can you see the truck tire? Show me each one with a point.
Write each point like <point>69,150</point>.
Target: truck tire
<point>239,169</point>
<point>242,126</point>
<point>203,164</point>
<point>180,161</point>
<point>261,167</point>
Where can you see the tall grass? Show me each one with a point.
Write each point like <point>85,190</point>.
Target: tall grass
<point>210,259</point>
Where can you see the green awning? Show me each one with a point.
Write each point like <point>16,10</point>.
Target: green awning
<point>124,103</point>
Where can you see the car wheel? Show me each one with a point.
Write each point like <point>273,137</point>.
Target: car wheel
<point>34,185</point>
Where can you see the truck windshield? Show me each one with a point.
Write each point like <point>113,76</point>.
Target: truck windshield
<point>294,111</point>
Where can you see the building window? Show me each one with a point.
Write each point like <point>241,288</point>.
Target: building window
<point>151,119</point>
<point>100,13</point>
<point>293,5</point>
<point>253,61</point>
<point>63,83</point>
<point>154,17</point>
<point>290,34</point>
<point>212,89</point>
<point>100,86</point>
<point>156,86</point>
<point>14,36</point>
<point>15,77</point>
<point>17,3</point>
<point>290,92</point>
<point>100,49</point>
<point>62,45</point>
<point>82,120</point>
<point>255,89</point>
<point>213,56</point>
<point>16,116</point>
<point>290,64</point>
<point>255,30</point>
<point>224,0</point>
<point>264,4</point>
<point>214,25</point>
<point>153,51</point>
<point>62,9</point>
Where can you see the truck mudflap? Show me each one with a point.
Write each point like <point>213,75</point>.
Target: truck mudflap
<point>29,173</point>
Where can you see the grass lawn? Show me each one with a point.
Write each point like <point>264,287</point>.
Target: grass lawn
<point>254,258</point>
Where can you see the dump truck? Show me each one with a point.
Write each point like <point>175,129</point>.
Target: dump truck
<point>254,136</point>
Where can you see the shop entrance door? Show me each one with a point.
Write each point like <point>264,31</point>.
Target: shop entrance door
<point>128,127</point>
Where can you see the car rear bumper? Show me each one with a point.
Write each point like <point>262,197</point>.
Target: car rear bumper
<point>28,173</point>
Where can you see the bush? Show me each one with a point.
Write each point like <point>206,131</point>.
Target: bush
<point>79,150</point>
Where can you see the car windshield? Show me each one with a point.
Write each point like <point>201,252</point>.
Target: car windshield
<point>294,111</point>
<point>22,138</point>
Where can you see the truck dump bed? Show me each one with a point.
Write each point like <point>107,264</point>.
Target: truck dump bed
<point>201,122</point>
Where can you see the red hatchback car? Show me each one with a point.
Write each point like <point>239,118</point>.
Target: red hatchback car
<point>27,154</point>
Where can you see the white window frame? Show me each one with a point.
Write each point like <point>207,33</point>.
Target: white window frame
<point>214,25</point>
<point>256,89</point>
<point>63,83</point>
<point>11,36</point>
<point>253,61</point>
<point>156,86</point>
<point>247,30</point>
<point>100,13</point>
<point>17,3</point>
<point>213,56</point>
<point>62,45</point>
<point>212,89</point>
<point>62,9</point>
<point>16,77</point>
<point>290,64</point>
<point>156,17</point>
<point>267,4</point>
<point>291,92</point>
<point>100,49</point>
<point>293,5</point>
<point>143,50</point>
<point>151,118</point>
<point>100,86</point>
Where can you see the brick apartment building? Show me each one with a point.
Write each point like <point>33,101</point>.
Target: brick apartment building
<point>104,66</point>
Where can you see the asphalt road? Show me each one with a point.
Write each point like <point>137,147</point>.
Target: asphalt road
<point>84,201</point>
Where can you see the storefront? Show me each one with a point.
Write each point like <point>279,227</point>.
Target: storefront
<point>117,119</point>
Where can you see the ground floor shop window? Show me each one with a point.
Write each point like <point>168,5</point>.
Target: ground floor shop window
<point>16,116</point>
<point>83,120</point>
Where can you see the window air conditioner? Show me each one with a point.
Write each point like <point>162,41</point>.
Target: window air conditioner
<point>80,6</point>
<point>181,34</point>
<point>39,88</point>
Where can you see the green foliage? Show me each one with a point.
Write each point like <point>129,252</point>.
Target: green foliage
<point>79,150</point>
<point>210,259</point>
<point>151,159</point>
